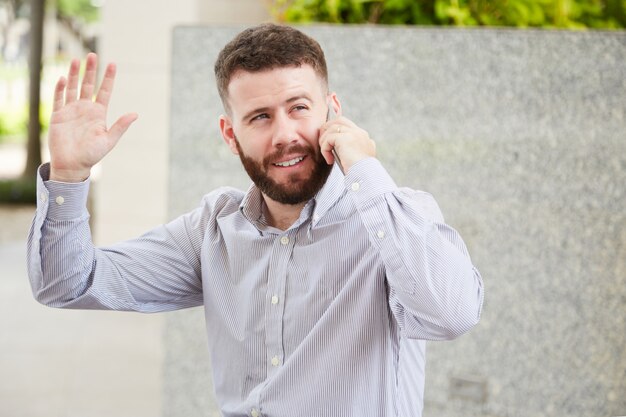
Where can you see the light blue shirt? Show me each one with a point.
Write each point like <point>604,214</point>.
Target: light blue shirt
<point>328,318</point>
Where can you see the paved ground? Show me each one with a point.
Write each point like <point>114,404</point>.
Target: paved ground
<point>57,363</point>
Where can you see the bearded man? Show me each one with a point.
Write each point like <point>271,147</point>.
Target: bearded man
<point>320,283</point>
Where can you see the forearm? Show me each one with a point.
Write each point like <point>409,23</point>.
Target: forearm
<point>435,291</point>
<point>60,252</point>
<point>439,289</point>
<point>151,273</point>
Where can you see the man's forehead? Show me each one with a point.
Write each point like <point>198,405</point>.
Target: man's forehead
<point>299,71</point>
<point>248,88</point>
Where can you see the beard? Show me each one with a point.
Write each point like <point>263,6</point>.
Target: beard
<point>298,188</point>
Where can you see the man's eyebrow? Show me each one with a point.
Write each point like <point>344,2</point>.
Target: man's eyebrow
<point>298,97</point>
<point>266,109</point>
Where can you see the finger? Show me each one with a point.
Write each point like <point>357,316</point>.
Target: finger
<point>58,94</point>
<point>72,81</point>
<point>89,80</point>
<point>328,127</point>
<point>326,149</point>
<point>333,125</point>
<point>106,88</point>
<point>121,126</point>
<point>346,122</point>
<point>328,156</point>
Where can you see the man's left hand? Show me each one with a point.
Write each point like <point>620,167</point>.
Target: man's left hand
<point>350,142</point>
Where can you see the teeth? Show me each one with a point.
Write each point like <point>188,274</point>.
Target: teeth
<point>289,163</point>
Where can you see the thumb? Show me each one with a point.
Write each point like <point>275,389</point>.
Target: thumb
<point>121,126</point>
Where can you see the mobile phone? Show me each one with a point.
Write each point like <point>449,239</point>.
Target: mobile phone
<point>331,116</point>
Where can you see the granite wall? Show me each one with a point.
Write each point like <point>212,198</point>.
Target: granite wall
<point>521,137</point>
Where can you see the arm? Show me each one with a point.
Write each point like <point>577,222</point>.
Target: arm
<point>434,290</point>
<point>158,271</point>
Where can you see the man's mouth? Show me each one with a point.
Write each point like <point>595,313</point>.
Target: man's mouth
<point>290,162</point>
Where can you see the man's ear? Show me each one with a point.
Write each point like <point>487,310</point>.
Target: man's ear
<point>226,127</point>
<point>335,103</point>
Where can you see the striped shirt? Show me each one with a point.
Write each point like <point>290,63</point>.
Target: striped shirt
<point>328,318</point>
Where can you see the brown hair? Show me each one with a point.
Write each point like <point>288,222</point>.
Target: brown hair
<point>265,47</point>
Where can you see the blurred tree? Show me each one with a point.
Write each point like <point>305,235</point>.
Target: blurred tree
<point>68,11</point>
<point>33,147</point>
<point>87,10</point>
<point>76,15</point>
<point>571,14</point>
<point>10,10</point>
<point>71,13</point>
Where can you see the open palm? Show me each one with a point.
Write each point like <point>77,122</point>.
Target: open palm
<point>78,134</point>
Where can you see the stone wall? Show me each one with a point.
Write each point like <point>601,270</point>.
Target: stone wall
<point>521,138</point>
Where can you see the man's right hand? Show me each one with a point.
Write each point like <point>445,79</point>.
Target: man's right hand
<point>78,134</point>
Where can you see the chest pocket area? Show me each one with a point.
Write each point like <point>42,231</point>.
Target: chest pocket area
<point>319,271</point>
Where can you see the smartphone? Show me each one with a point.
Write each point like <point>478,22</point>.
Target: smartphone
<point>331,116</point>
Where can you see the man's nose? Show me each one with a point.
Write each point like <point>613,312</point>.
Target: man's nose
<point>285,130</point>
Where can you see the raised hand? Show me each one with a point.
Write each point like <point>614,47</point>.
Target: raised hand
<point>78,134</point>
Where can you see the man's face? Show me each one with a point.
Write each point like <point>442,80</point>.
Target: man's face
<point>274,128</point>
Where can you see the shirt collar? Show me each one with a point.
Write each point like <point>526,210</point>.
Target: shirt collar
<point>252,205</point>
<point>328,196</point>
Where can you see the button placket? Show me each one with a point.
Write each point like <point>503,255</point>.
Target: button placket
<point>274,311</point>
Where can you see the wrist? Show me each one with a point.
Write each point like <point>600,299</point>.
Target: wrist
<point>68,175</point>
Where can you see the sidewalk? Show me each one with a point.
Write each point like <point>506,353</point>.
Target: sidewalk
<point>62,363</point>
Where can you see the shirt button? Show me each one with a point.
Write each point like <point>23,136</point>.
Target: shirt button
<point>356,186</point>
<point>60,200</point>
<point>380,234</point>
<point>255,413</point>
<point>284,240</point>
<point>43,197</point>
<point>275,361</point>
<point>274,299</point>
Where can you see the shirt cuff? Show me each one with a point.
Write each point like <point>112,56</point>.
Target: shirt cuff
<point>367,180</point>
<point>61,200</point>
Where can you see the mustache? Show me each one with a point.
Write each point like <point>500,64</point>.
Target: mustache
<point>296,148</point>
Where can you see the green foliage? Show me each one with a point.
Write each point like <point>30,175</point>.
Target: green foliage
<point>570,14</point>
<point>14,122</point>
<point>18,191</point>
<point>84,9</point>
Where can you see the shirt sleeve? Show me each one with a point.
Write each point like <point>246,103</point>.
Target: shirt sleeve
<point>435,292</point>
<point>159,271</point>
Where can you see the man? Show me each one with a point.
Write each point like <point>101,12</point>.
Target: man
<point>319,288</point>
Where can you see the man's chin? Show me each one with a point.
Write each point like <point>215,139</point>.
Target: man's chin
<point>291,195</point>
<point>296,190</point>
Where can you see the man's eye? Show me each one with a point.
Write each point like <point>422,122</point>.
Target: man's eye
<point>299,110</point>
<point>260,116</point>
